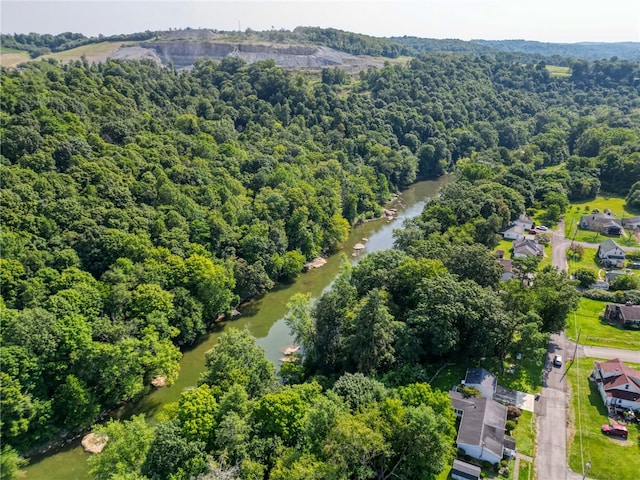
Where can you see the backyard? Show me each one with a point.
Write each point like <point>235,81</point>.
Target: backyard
<point>587,442</point>
<point>593,331</point>
<point>618,207</point>
<point>586,261</point>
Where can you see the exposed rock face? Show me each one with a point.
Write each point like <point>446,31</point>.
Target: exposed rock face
<point>159,381</point>
<point>94,443</point>
<point>184,53</point>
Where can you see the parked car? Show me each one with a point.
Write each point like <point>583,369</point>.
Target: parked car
<point>616,430</point>
<point>542,228</point>
<point>532,231</point>
<point>557,360</point>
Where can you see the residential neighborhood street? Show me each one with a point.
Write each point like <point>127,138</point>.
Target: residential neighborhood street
<point>551,457</point>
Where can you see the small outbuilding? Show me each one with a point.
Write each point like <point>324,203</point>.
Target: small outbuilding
<point>465,471</point>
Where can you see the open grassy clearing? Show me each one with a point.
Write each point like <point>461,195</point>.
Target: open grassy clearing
<point>11,58</point>
<point>617,205</point>
<point>587,261</point>
<point>610,457</point>
<point>93,53</point>
<point>558,71</point>
<point>593,331</point>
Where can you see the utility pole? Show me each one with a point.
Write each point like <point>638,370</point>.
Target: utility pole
<point>586,470</point>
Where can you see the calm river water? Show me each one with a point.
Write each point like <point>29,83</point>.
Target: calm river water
<point>263,318</point>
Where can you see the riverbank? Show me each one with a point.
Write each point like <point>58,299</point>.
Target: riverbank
<point>263,317</point>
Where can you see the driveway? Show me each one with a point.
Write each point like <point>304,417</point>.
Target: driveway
<point>551,459</point>
<point>559,246</point>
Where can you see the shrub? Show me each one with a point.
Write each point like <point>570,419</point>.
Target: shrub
<point>510,426</point>
<point>585,277</point>
<point>513,412</point>
<point>470,392</point>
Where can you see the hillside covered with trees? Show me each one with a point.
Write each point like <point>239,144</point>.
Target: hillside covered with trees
<point>140,204</point>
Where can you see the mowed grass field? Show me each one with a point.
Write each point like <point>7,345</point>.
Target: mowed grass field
<point>10,58</point>
<point>610,457</point>
<point>558,71</point>
<point>618,207</point>
<point>593,331</point>
<point>93,53</point>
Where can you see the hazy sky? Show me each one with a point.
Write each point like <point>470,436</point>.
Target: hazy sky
<point>543,20</point>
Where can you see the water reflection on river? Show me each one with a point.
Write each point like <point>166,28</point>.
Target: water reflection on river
<point>263,318</point>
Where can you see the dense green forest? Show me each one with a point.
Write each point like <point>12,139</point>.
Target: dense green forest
<point>140,203</point>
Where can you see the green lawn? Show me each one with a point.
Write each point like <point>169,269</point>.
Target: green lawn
<point>527,376</point>
<point>558,71</point>
<point>610,458</point>
<point>588,261</point>
<point>526,472</point>
<point>525,433</point>
<point>595,332</point>
<point>617,205</point>
<point>506,246</point>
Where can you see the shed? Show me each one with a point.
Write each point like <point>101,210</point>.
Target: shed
<point>464,471</point>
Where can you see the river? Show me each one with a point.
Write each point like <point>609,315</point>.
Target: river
<point>264,319</point>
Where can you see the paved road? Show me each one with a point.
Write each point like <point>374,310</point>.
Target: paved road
<point>559,246</point>
<point>551,457</point>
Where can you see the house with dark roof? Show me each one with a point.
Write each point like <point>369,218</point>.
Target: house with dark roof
<point>610,254</point>
<point>464,471</point>
<point>485,381</point>
<point>627,316</point>
<point>601,222</point>
<point>631,223</point>
<point>526,247</point>
<point>618,384</point>
<point>481,434</point>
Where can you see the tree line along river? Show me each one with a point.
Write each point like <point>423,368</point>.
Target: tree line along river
<point>263,317</point>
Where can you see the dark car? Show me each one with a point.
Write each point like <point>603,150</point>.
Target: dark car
<point>616,430</point>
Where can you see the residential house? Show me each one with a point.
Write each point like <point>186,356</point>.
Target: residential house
<point>600,222</point>
<point>627,316</point>
<point>526,247</point>
<point>600,285</point>
<point>611,275</point>
<point>481,434</point>
<point>485,381</point>
<point>631,223</point>
<point>524,222</point>
<point>514,232</point>
<point>618,384</point>
<point>507,265</point>
<point>610,254</point>
<point>464,471</point>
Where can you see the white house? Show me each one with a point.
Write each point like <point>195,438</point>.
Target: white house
<point>610,254</point>
<point>514,232</point>
<point>482,427</point>
<point>618,384</point>
<point>524,222</point>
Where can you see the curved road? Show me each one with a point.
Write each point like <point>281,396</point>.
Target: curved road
<point>551,409</point>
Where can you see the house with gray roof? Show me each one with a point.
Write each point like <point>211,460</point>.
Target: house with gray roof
<point>481,434</point>
<point>526,247</point>
<point>610,254</point>
<point>514,232</point>
<point>601,222</point>
<point>627,316</point>
<point>523,221</point>
<point>485,381</point>
<point>631,223</point>
<point>465,471</point>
